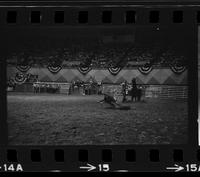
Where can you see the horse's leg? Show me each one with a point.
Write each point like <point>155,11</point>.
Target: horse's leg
<point>112,104</point>
<point>139,98</point>
<point>132,96</point>
<point>124,98</point>
<point>137,95</point>
<point>101,101</point>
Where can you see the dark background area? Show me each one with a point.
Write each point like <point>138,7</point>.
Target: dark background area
<point>122,0</point>
<point>20,37</point>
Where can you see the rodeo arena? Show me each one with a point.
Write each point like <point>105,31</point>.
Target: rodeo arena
<point>103,89</point>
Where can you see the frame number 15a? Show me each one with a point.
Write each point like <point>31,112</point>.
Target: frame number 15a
<point>192,167</point>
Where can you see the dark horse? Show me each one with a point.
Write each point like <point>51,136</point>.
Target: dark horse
<point>136,93</point>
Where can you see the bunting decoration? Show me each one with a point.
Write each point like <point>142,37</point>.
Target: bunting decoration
<point>146,69</point>
<point>114,70</point>
<point>54,69</point>
<point>84,69</point>
<point>104,76</point>
<point>23,68</point>
<point>20,78</point>
<point>178,69</point>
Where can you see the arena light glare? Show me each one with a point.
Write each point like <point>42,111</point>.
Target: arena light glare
<point>99,86</point>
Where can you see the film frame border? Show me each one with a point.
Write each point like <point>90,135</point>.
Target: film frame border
<point>142,162</point>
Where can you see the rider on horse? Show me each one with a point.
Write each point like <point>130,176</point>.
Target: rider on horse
<point>134,90</point>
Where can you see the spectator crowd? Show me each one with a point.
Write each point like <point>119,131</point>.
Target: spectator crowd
<point>96,54</point>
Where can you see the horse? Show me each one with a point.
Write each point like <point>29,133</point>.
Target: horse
<point>136,94</point>
<point>113,102</point>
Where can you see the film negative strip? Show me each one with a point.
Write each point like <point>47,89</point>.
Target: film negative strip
<point>99,86</point>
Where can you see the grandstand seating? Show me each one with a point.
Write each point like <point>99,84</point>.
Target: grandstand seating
<point>97,55</point>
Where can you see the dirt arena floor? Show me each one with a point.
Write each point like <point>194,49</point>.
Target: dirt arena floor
<point>52,119</point>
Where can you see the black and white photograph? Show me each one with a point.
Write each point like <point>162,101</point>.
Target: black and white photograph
<point>199,85</point>
<point>97,85</point>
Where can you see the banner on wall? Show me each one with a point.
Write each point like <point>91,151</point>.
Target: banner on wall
<point>20,78</point>
<point>23,68</point>
<point>114,70</point>
<point>54,69</point>
<point>177,69</point>
<point>84,70</point>
<point>146,69</point>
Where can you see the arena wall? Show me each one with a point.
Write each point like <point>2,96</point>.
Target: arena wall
<point>162,83</point>
<point>163,76</point>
